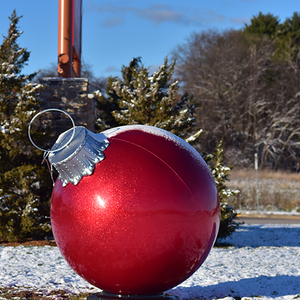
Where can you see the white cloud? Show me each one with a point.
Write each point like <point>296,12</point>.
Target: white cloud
<point>240,20</point>
<point>161,13</point>
<point>155,13</point>
<point>113,21</point>
<point>112,69</point>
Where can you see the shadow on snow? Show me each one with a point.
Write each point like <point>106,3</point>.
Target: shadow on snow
<point>248,287</point>
<point>264,235</point>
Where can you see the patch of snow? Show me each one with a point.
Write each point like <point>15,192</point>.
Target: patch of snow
<point>262,262</point>
<point>193,137</point>
<point>3,129</point>
<point>98,94</point>
<point>267,212</point>
<point>39,268</point>
<point>155,131</point>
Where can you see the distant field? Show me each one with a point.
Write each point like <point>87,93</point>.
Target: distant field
<point>278,191</point>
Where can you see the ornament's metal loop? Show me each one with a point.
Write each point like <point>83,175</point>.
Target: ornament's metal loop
<point>63,146</point>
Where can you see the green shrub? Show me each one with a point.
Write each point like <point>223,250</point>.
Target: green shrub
<point>25,186</point>
<point>220,173</point>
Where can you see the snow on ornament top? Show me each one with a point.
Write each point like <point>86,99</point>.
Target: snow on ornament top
<point>78,158</point>
<point>109,133</point>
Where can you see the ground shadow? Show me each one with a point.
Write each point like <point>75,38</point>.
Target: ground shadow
<point>249,287</point>
<point>264,235</point>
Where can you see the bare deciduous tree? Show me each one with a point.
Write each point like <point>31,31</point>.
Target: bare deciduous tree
<point>245,96</point>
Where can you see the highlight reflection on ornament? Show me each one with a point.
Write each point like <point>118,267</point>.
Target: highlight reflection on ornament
<point>101,202</point>
<point>142,219</point>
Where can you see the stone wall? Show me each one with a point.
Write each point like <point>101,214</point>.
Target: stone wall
<point>70,95</point>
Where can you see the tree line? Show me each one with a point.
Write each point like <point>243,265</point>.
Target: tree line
<point>246,86</point>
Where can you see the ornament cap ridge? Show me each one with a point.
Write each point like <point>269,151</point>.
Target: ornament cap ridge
<point>79,157</point>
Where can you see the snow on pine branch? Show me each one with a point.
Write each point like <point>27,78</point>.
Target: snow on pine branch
<point>193,137</point>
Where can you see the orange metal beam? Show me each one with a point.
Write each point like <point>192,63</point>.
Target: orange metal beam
<point>65,34</point>
<point>76,64</point>
<point>77,24</point>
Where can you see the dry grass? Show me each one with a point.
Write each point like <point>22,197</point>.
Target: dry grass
<point>278,191</point>
<point>264,174</point>
<point>25,293</point>
<point>29,294</point>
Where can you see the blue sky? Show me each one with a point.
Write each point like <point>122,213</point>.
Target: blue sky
<point>116,31</point>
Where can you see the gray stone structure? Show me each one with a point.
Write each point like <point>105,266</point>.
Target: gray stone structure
<point>70,95</point>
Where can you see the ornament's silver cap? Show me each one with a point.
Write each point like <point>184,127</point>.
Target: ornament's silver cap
<point>77,158</point>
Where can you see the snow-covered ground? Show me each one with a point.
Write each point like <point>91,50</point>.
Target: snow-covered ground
<point>268,213</point>
<point>263,262</point>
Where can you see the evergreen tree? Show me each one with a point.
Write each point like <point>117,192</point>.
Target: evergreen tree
<point>221,174</point>
<point>288,40</point>
<point>291,27</point>
<point>24,183</point>
<point>139,98</point>
<point>262,25</point>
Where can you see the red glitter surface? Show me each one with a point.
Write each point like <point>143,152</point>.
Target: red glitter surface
<point>143,222</point>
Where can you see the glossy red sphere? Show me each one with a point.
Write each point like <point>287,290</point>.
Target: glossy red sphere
<point>144,221</point>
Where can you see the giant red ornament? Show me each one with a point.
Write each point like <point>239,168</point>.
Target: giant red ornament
<point>135,209</point>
